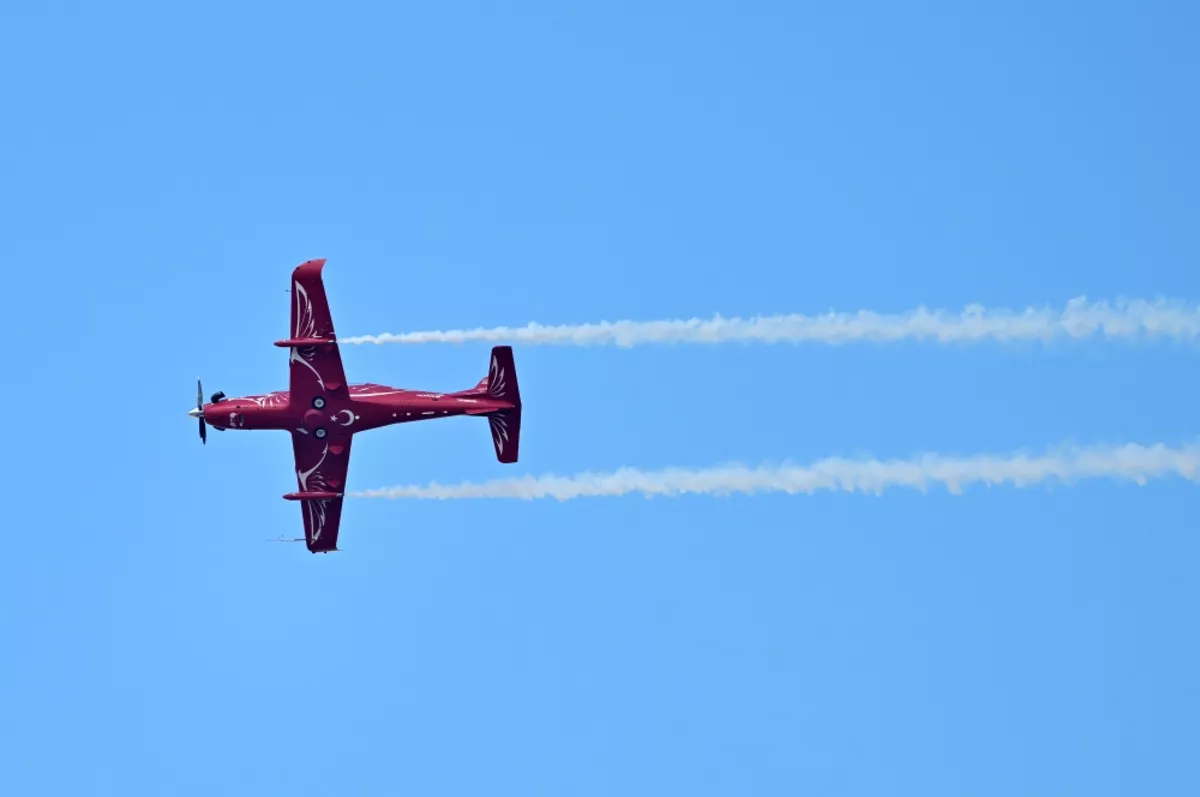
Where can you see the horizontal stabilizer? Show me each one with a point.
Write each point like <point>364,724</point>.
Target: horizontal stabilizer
<point>506,434</point>
<point>502,376</point>
<point>501,386</point>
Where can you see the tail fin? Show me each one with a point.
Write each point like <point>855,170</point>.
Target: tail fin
<point>506,424</point>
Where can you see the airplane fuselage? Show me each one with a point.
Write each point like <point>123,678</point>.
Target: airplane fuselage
<point>359,408</point>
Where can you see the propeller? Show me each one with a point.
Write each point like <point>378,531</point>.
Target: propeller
<point>200,412</point>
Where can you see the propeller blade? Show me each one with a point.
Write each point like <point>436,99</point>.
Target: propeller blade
<point>200,411</point>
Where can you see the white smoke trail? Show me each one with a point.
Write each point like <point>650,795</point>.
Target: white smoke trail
<point>1130,462</point>
<point>1158,318</point>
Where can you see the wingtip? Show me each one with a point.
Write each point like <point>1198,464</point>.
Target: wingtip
<point>312,267</point>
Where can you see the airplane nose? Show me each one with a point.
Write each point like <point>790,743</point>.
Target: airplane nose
<point>194,412</point>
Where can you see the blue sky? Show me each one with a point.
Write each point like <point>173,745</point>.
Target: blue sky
<point>166,167</point>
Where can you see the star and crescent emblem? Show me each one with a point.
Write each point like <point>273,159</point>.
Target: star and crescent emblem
<point>343,417</point>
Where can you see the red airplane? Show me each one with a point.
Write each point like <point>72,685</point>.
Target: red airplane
<point>323,413</point>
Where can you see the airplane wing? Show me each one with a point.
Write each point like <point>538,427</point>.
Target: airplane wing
<point>315,369</point>
<point>321,466</point>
